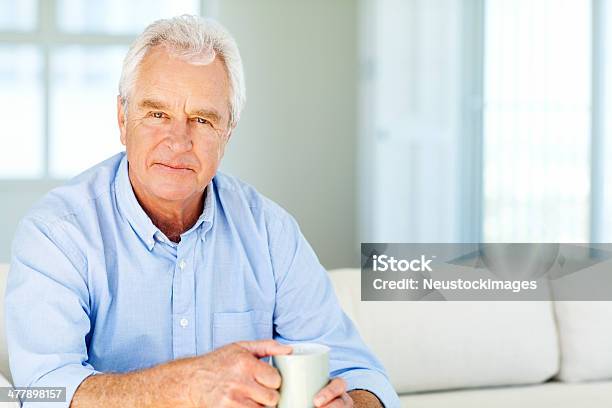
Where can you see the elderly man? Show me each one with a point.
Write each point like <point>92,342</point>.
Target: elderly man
<point>152,279</point>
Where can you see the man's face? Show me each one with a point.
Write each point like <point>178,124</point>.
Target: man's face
<point>176,126</point>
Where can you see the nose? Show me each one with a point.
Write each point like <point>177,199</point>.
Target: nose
<point>179,137</point>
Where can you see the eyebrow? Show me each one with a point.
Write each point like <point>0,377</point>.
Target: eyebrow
<point>152,104</point>
<point>208,113</point>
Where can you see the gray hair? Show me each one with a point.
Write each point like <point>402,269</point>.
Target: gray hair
<point>196,39</point>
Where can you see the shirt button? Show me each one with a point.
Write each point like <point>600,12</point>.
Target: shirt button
<point>182,264</point>
<point>184,322</point>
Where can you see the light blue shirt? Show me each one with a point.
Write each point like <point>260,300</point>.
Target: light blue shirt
<point>95,286</point>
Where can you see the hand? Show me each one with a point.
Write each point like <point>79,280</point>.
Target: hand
<point>333,395</point>
<point>231,376</point>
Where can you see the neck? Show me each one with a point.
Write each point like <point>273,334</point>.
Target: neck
<point>171,217</point>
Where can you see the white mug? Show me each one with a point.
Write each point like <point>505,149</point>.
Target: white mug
<point>304,373</point>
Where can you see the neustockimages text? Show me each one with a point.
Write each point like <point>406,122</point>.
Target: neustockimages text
<point>384,263</point>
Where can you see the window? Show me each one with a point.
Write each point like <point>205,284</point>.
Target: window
<point>537,120</point>
<point>486,120</point>
<point>117,16</point>
<point>22,107</point>
<point>60,63</point>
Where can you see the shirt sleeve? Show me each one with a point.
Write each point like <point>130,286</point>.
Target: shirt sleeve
<point>307,310</point>
<point>47,311</point>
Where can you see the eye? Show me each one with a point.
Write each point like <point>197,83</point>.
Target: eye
<point>157,115</point>
<point>202,121</point>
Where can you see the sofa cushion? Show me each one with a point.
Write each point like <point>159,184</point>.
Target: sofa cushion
<point>558,395</point>
<point>585,337</point>
<point>429,346</point>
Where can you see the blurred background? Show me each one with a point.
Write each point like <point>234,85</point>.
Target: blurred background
<point>369,121</point>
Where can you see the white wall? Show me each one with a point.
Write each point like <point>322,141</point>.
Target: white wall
<point>296,142</point>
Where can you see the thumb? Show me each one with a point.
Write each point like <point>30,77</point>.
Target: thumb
<point>265,348</point>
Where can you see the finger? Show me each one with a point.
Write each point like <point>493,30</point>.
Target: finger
<point>261,395</point>
<point>336,403</point>
<point>266,375</point>
<point>348,401</point>
<point>247,403</point>
<point>265,348</point>
<point>334,389</point>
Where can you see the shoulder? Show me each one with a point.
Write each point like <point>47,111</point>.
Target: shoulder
<point>62,218</point>
<point>77,194</point>
<point>236,193</point>
<point>67,214</point>
<point>251,211</point>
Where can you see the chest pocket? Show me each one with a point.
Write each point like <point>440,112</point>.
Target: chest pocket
<point>229,327</point>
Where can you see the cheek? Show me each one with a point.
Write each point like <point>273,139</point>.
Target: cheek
<point>209,152</point>
<point>142,141</point>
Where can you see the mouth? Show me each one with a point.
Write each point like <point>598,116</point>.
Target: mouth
<point>174,168</point>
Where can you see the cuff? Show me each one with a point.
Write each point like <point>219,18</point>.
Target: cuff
<point>374,382</point>
<point>69,376</point>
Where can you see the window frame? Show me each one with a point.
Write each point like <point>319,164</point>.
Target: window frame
<point>596,210</point>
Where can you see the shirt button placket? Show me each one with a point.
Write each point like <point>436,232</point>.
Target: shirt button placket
<point>183,306</point>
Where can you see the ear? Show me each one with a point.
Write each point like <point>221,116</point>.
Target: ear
<point>224,144</point>
<point>121,121</point>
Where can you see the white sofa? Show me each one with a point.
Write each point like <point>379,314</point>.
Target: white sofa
<point>475,354</point>
<point>487,354</point>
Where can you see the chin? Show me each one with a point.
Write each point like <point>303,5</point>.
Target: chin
<point>175,191</point>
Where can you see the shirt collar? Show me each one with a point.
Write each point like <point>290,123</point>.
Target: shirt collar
<point>130,208</point>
